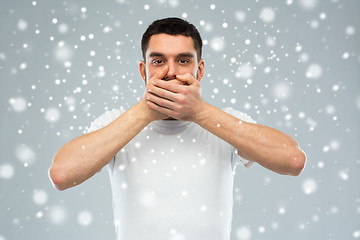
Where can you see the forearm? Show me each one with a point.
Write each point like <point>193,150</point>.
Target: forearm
<point>84,156</point>
<point>267,146</point>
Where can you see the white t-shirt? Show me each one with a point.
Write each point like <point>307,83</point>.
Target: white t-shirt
<point>173,181</point>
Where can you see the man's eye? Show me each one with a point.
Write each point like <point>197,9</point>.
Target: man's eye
<point>183,61</point>
<point>158,62</point>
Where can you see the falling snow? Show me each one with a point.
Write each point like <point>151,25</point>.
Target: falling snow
<point>85,218</point>
<point>290,65</point>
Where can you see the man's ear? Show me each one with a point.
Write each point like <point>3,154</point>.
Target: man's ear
<point>142,69</point>
<point>201,69</point>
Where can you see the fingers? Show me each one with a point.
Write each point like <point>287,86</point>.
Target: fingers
<point>160,101</point>
<point>187,78</point>
<point>160,109</point>
<point>172,86</point>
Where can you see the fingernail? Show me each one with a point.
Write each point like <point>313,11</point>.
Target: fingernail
<point>153,82</point>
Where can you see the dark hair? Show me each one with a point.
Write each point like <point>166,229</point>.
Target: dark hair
<point>172,26</point>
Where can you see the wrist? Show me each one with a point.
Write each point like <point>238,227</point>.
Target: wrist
<point>203,113</point>
<point>143,112</point>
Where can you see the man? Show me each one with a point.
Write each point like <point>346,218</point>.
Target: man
<point>171,157</point>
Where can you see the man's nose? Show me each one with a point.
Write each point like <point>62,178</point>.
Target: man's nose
<point>172,70</point>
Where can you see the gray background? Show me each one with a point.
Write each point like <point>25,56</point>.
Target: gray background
<point>292,65</point>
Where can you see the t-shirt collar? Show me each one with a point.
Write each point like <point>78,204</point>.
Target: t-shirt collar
<point>169,126</point>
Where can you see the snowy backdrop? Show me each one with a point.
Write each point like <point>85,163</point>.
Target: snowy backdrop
<point>293,65</point>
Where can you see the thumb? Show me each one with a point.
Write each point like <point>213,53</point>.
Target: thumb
<point>162,73</point>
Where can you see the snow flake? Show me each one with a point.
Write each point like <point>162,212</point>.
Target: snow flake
<point>173,3</point>
<point>148,199</point>
<point>356,234</point>
<point>23,66</point>
<point>314,71</point>
<point>243,233</point>
<point>63,52</point>
<point>25,154</point>
<point>58,214</point>
<point>261,229</point>
<point>282,210</point>
<point>85,218</point>
<point>203,208</point>
<point>40,197</point>
<point>345,55</point>
<point>107,29</point>
<point>330,109</point>
<point>350,30</point>
<point>240,16</point>
<point>308,4</point>
<point>322,16</point>
<point>52,114</point>
<point>270,41</point>
<point>6,171</point>
<point>217,44</point>
<point>22,25</point>
<point>137,145</point>
<point>309,186</point>
<point>304,57</point>
<point>343,175</point>
<point>267,15</point>
<point>281,90</point>
<point>245,71</point>
<point>176,235</point>
<point>18,104</point>
<point>39,214</point>
<point>2,56</point>
<point>259,59</point>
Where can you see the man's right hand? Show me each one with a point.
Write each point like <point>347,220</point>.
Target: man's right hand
<point>153,115</point>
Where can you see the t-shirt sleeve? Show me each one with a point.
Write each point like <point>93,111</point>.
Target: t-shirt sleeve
<point>105,119</point>
<point>236,159</point>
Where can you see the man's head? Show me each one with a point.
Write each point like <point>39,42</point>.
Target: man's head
<point>172,26</point>
<point>174,43</point>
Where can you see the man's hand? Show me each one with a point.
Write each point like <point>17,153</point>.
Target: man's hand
<point>154,115</point>
<point>179,101</point>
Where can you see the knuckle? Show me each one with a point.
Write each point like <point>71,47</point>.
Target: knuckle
<point>181,100</point>
<point>179,108</point>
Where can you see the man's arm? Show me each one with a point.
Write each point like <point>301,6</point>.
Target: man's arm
<point>267,146</point>
<point>82,157</point>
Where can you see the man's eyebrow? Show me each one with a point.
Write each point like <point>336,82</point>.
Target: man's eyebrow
<point>156,54</point>
<point>186,54</point>
<point>189,55</point>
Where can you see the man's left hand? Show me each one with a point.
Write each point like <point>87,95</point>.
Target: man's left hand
<point>179,98</point>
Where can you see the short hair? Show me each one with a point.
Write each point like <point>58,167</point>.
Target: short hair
<point>172,26</point>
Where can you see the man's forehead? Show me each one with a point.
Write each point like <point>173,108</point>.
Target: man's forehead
<point>164,43</point>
